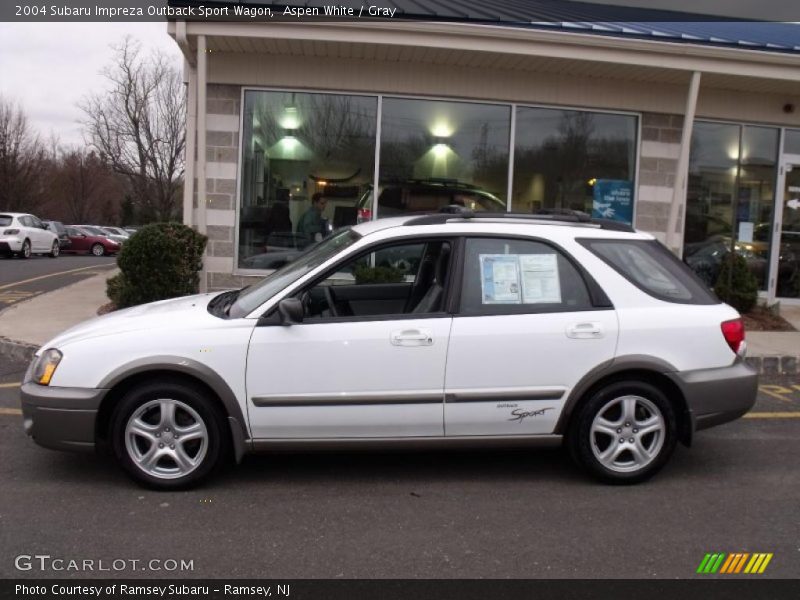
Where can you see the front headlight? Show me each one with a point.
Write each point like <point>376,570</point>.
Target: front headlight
<point>45,367</point>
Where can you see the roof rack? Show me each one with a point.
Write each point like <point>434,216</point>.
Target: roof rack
<point>454,211</point>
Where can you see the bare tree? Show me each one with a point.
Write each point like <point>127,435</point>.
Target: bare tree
<point>22,161</point>
<point>85,187</point>
<point>138,127</point>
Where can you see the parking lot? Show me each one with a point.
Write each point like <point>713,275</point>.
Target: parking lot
<point>470,514</point>
<point>24,279</point>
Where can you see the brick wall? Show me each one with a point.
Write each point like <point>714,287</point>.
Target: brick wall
<point>222,155</point>
<point>658,163</point>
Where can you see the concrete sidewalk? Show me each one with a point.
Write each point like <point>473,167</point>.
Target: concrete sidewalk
<point>27,325</point>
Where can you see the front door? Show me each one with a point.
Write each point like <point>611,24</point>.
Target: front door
<point>526,331</point>
<point>368,359</point>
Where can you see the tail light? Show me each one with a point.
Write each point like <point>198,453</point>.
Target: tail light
<point>11,232</point>
<point>364,214</point>
<point>733,331</point>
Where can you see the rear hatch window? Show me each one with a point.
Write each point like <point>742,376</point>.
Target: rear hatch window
<point>653,269</point>
<point>5,220</point>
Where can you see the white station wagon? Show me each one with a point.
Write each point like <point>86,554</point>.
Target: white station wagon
<point>438,329</point>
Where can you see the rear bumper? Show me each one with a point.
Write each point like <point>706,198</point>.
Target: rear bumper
<point>8,245</point>
<point>716,396</point>
<point>61,418</point>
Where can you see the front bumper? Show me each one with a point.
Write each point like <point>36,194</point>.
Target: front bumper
<point>61,418</point>
<point>716,396</point>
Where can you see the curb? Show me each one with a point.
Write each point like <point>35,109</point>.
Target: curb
<point>17,351</point>
<point>774,365</point>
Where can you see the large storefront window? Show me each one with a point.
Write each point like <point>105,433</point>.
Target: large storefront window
<point>306,161</point>
<point>436,153</point>
<point>565,159</point>
<point>730,197</point>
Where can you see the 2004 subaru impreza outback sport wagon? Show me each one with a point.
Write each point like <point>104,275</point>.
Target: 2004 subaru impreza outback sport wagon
<point>437,329</point>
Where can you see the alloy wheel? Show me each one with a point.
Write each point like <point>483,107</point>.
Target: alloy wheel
<point>627,434</point>
<point>166,438</point>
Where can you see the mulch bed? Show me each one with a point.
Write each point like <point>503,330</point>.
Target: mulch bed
<point>761,319</point>
<point>106,308</point>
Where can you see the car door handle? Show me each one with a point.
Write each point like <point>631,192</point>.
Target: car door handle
<point>412,337</point>
<point>585,331</point>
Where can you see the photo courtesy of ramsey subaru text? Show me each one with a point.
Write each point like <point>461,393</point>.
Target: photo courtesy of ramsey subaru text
<point>449,328</point>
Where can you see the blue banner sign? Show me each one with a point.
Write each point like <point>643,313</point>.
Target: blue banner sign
<point>613,199</point>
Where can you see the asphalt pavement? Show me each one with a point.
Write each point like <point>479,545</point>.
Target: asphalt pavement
<point>446,514</point>
<point>24,279</point>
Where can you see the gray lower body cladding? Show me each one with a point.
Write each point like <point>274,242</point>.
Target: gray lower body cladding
<point>716,396</point>
<point>61,418</point>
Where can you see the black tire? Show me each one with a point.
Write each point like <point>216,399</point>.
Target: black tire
<point>197,399</point>
<point>98,250</point>
<point>55,250</point>
<point>585,445</point>
<point>26,249</point>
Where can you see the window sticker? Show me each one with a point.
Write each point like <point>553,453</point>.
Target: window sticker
<point>519,279</point>
<point>540,282</point>
<point>499,279</point>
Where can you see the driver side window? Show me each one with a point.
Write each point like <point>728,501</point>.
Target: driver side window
<point>391,280</point>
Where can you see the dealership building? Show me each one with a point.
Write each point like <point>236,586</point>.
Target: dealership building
<point>688,130</point>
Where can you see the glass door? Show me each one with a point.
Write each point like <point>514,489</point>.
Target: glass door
<point>786,273</point>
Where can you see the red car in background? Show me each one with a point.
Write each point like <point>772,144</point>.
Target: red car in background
<point>91,241</point>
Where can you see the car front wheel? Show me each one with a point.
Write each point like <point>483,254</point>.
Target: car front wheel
<point>625,432</point>
<point>168,435</point>
<point>98,250</point>
<point>55,250</point>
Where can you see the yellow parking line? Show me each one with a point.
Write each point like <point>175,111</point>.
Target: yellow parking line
<point>772,415</point>
<point>10,411</point>
<point>3,287</point>
<point>10,385</point>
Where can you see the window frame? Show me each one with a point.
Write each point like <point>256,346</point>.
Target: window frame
<point>270,317</point>
<point>599,300</point>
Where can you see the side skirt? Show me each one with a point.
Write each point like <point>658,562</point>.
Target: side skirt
<point>409,443</point>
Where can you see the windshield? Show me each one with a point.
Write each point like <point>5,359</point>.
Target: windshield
<point>256,295</point>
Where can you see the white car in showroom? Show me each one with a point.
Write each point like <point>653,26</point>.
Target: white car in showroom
<point>435,330</point>
<point>22,234</point>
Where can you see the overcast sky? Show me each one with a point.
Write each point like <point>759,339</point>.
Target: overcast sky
<point>49,67</point>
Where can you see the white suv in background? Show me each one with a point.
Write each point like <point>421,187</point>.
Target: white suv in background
<point>449,328</point>
<point>22,234</point>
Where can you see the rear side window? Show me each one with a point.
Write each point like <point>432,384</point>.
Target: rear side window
<point>512,276</point>
<point>653,269</point>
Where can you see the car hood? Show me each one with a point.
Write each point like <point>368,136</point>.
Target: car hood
<point>173,314</point>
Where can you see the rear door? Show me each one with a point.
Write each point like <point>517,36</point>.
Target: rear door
<point>529,325</point>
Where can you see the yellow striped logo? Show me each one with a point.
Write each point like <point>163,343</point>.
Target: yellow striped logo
<point>735,563</point>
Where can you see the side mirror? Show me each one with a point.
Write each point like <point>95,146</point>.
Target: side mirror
<point>45,226</point>
<point>291,311</point>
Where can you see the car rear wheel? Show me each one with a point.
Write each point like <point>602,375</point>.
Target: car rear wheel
<point>98,250</point>
<point>625,432</point>
<point>55,250</point>
<point>168,435</point>
<point>26,249</point>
